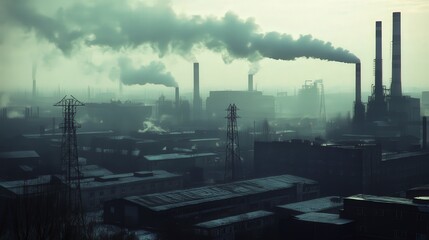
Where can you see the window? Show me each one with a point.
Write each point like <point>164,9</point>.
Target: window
<point>101,193</point>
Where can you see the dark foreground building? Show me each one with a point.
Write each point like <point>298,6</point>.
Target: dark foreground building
<point>344,169</point>
<point>378,217</point>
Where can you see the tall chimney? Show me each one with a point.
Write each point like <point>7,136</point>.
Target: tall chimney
<point>359,108</point>
<point>197,100</point>
<point>378,64</point>
<point>250,82</point>
<point>196,81</point>
<point>358,96</point>
<point>396,88</point>
<point>424,133</point>
<point>176,94</point>
<point>33,74</point>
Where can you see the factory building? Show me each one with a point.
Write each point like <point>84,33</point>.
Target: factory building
<point>425,103</point>
<point>95,191</point>
<point>390,105</point>
<point>110,116</point>
<point>312,219</point>
<point>19,164</point>
<point>378,217</point>
<point>340,169</point>
<point>343,169</point>
<point>196,205</point>
<point>252,106</point>
<point>28,204</point>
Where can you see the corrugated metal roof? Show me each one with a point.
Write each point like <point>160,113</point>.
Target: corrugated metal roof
<point>118,179</point>
<point>173,199</point>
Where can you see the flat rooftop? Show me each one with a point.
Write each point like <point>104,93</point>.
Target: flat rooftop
<point>17,186</point>
<point>234,219</point>
<point>187,197</point>
<point>19,154</point>
<point>94,171</point>
<point>124,178</point>
<point>172,156</point>
<point>314,205</point>
<point>381,199</point>
<point>327,218</point>
<point>394,156</point>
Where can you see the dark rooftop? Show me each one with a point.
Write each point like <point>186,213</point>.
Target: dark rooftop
<point>17,186</point>
<point>394,156</point>
<point>314,205</point>
<point>234,219</point>
<point>174,199</point>
<point>319,217</point>
<point>19,154</point>
<point>123,178</point>
<point>170,156</point>
<point>381,199</point>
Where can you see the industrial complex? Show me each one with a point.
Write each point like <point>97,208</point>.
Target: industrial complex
<point>221,164</point>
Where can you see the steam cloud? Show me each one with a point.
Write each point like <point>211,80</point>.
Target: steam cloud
<point>117,25</point>
<point>154,73</point>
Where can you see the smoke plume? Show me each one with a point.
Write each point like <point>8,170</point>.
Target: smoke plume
<point>118,25</point>
<point>254,68</point>
<point>34,71</point>
<point>154,73</point>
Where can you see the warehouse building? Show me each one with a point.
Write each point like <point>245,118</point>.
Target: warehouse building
<point>195,205</point>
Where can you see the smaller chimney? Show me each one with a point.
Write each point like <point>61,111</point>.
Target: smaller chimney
<point>177,97</point>
<point>250,82</point>
<point>424,133</point>
<point>34,71</point>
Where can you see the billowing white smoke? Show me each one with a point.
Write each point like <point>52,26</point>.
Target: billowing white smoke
<point>117,25</point>
<point>154,73</point>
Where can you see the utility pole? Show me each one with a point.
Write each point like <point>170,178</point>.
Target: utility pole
<point>232,160</point>
<point>73,221</point>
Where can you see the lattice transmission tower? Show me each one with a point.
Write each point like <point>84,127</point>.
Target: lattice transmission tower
<point>72,201</point>
<point>233,159</point>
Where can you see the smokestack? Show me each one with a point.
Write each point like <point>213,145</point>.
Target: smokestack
<point>378,63</point>
<point>33,74</point>
<point>250,82</point>
<point>197,100</point>
<point>424,133</point>
<point>359,110</point>
<point>196,81</point>
<point>177,96</point>
<point>358,84</point>
<point>396,88</point>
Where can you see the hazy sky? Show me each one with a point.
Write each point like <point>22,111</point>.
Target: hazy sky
<point>76,44</point>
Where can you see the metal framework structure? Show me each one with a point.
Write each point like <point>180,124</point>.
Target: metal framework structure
<point>72,200</point>
<point>232,160</point>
